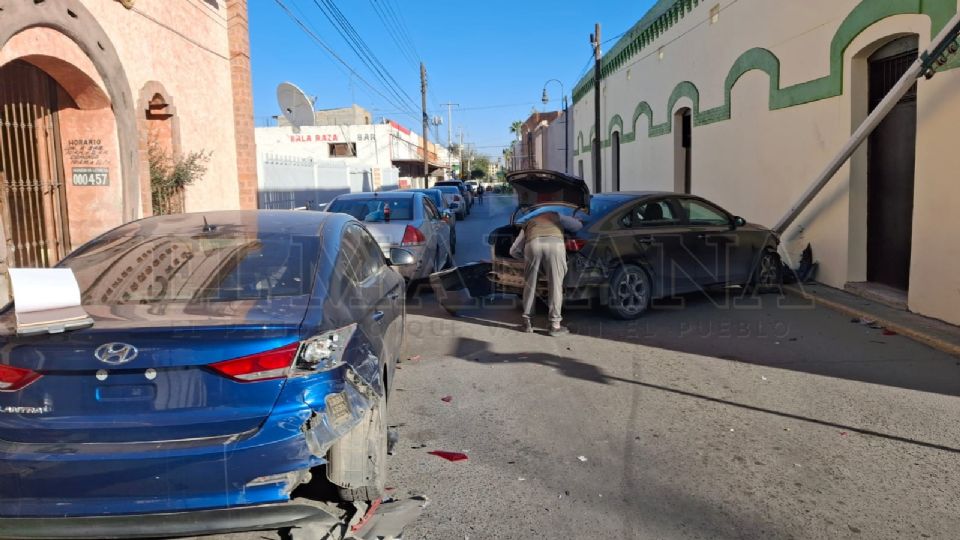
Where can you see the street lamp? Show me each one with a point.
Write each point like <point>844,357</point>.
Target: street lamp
<point>566,127</point>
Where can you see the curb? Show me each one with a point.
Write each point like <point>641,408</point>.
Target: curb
<point>911,332</point>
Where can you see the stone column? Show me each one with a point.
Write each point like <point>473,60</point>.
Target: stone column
<point>238,30</point>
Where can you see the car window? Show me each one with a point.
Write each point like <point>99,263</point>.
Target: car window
<point>701,213</point>
<point>369,254</point>
<point>650,214</point>
<point>350,263</point>
<point>431,211</point>
<point>374,209</point>
<point>168,269</point>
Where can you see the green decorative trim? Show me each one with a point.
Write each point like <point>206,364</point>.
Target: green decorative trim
<point>863,16</point>
<point>615,123</point>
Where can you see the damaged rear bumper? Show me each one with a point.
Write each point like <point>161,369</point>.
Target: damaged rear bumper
<point>79,481</point>
<point>202,522</point>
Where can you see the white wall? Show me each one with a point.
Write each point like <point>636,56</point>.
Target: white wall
<point>758,162</point>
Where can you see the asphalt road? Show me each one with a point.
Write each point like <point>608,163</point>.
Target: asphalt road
<point>709,420</point>
<point>704,420</point>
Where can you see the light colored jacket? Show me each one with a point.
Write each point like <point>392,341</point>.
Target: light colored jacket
<point>568,223</point>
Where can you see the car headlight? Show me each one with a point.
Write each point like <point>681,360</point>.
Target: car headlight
<point>325,351</point>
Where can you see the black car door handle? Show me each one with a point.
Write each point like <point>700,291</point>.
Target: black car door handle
<point>378,316</point>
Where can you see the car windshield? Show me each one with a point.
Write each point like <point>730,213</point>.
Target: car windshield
<point>374,209</point>
<point>159,270</point>
<point>598,208</point>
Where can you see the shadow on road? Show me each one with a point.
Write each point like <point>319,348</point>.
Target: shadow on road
<point>479,351</point>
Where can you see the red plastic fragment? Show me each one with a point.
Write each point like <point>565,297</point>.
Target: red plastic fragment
<point>449,456</point>
<point>889,332</point>
<point>446,399</point>
<point>366,517</point>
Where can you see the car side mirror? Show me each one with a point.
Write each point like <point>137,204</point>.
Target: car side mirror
<point>739,222</point>
<point>401,257</point>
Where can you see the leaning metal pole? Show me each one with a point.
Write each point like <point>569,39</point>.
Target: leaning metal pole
<point>926,62</point>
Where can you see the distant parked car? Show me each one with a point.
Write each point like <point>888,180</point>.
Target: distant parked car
<point>447,212</point>
<point>455,199</point>
<point>232,353</point>
<point>473,186</point>
<point>402,219</point>
<point>638,246</point>
<point>464,191</point>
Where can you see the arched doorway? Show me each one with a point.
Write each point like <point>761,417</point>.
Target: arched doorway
<point>33,202</point>
<point>683,151</point>
<point>891,161</point>
<point>615,158</point>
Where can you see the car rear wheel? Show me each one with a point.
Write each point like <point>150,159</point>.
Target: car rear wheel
<point>768,274</point>
<point>629,292</point>
<point>357,462</point>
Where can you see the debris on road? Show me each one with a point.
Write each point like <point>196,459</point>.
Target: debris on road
<point>388,518</point>
<point>889,332</point>
<point>582,458</point>
<point>446,399</point>
<point>393,437</point>
<point>449,456</point>
<point>415,358</point>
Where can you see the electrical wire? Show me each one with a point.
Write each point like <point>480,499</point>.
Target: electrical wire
<point>348,32</point>
<point>393,32</point>
<point>306,29</point>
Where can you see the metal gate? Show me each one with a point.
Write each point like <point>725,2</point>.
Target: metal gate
<point>33,204</point>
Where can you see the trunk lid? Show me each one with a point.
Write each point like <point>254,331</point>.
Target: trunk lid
<point>166,391</point>
<point>540,186</point>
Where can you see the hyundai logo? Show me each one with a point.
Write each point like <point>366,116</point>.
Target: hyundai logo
<point>116,354</point>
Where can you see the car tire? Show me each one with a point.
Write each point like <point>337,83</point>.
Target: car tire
<point>767,275</point>
<point>630,292</point>
<point>453,243</point>
<point>357,462</point>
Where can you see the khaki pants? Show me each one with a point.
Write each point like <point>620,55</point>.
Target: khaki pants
<point>550,252</point>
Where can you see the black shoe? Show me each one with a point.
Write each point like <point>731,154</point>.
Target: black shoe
<point>527,326</point>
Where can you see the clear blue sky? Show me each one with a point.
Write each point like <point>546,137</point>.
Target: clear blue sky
<point>490,56</point>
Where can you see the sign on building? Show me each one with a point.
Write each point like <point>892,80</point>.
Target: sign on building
<point>91,176</point>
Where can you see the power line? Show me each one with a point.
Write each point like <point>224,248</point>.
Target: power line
<point>401,24</point>
<point>348,32</point>
<point>306,29</point>
<point>393,32</point>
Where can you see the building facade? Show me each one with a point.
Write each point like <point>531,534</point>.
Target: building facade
<point>312,165</point>
<point>542,144</point>
<point>745,102</point>
<point>353,115</point>
<point>88,88</point>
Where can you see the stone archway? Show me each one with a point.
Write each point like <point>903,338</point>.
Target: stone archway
<point>72,19</point>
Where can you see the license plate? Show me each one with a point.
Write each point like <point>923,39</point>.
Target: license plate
<point>338,409</point>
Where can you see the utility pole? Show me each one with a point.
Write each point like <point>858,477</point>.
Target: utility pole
<point>426,121</point>
<point>449,107</point>
<point>598,57</point>
<point>460,152</point>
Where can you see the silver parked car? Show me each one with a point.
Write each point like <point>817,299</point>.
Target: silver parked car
<point>448,213</point>
<point>455,200</point>
<point>405,220</point>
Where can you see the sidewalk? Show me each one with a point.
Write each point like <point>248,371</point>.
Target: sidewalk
<point>931,332</point>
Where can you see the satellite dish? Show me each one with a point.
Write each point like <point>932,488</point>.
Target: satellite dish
<point>296,107</point>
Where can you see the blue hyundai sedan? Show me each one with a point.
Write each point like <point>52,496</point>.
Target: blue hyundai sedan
<point>232,354</point>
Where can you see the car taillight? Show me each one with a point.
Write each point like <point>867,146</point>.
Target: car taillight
<point>325,351</point>
<point>412,237</point>
<point>575,244</point>
<point>13,379</point>
<point>272,364</point>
